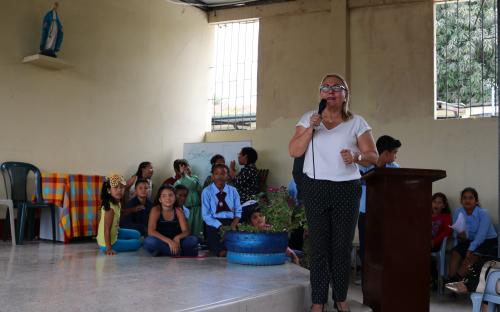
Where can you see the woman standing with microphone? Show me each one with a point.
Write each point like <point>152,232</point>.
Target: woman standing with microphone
<point>334,140</point>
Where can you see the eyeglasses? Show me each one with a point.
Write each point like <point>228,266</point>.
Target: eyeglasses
<point>334,88</point>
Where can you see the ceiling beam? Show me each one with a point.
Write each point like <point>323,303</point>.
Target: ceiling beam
<point>207,7</point>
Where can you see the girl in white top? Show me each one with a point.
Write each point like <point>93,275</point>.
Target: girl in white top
<point>333,143</point>
<point>145,171</point>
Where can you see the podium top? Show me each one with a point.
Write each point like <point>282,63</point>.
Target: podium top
<point>431,174</point>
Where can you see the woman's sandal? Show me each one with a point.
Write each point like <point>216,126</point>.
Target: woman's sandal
<point>337,308</point>
<point>323,308</point>
<point>457,287</point>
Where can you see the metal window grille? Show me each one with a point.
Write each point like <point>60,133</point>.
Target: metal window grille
<point>466,51</point>
<point>233,96</point>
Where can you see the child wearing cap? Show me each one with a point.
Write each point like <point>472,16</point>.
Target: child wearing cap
<point>110,238</point>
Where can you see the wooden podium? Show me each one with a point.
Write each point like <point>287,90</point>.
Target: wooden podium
<point>396,268</point>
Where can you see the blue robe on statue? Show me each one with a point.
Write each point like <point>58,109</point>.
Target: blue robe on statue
<point>46,27</point>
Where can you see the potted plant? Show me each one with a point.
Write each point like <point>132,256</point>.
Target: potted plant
<point>256,246</point>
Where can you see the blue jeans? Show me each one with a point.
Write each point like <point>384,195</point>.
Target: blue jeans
<point>157,247</point>
<point>128,240</point>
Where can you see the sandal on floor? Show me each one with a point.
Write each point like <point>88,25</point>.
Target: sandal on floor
<point>457,287</point>
<point>337,309</point>
<point>323,308</point>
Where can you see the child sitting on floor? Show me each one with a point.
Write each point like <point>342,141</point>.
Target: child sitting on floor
<point>168,231</point>
<point>145,171</point>
<point>216,159</point>
<point>258,220</point>
<point>181,193</point>
<point>191,181</point>
<point>110,237</point>
<point>135,216</point>
<point>220,206</point>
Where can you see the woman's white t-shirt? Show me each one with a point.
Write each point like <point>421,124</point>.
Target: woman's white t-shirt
<point>328,163</point>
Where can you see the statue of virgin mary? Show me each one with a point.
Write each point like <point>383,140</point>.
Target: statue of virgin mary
<point>52,32</point>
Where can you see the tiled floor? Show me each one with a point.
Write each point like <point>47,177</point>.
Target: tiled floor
<point>444,303</point>
<point>56,277</point>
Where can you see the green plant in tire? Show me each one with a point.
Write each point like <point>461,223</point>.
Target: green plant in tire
<point>280,212</point>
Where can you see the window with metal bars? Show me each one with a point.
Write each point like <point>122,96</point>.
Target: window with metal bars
<point>233,94</point>
<point>466,52</point>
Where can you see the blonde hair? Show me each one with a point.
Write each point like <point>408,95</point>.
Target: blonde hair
<point>346,113</point>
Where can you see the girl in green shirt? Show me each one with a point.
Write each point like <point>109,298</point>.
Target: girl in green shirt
<point>193,203</point>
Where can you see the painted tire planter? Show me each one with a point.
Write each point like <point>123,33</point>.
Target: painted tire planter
<point>256,259</point>
<point>256,248</point>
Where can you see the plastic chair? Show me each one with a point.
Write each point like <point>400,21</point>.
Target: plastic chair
<point>9,219</point>
<point>18,176</point>
<point>490,294</point>
<point>440,257</point>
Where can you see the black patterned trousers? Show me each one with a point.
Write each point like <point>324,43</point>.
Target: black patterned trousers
<point>331,211</point>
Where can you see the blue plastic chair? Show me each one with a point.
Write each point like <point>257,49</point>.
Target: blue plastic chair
<point>440,257</point>
<point>17,172</point>
<point>490,294</point>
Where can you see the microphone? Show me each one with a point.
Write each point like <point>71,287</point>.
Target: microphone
<point>322,106</point>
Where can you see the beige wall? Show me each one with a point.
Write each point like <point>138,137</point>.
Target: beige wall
<point>138,88</point>
<point>295,51</point>
<point>387,54</point>
<point>392,85</point>
<point>132,89</point>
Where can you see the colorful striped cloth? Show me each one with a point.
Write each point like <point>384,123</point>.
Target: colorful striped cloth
<point>55,190</point>
<point>85,191</point>
<point>78,196</point>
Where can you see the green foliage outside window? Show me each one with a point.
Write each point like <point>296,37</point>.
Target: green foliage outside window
<point>466,52</point>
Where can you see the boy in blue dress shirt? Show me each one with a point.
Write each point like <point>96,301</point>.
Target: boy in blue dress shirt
<point>220,206</point>
<point>387,148</point>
